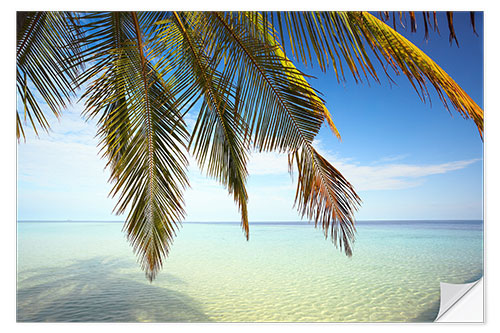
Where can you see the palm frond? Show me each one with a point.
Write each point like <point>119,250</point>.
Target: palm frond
<point>264,30</point>
<point>142,134</point>
<point>403,56</point>
<point>340,38</point>
<point>325,196</point>
<point>349,32</point>
<point>325,39</point>
<point>47,60</point>
<point>105,42</point>
<point>281,110</point>
<point>218,137</point>
<point>293,112</point>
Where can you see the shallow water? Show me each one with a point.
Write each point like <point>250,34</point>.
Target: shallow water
<point>286,272</point>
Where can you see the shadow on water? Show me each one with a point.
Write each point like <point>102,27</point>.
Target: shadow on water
<point>428,315</point>
<point>94,290</point>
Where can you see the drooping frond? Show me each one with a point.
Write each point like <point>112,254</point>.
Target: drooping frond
<point>47,63</point>
<point>106,98</point>
<point>291,114</point>
<point>325,196</point>
<point>281,110</point>
<point>149,168</point>
<point>218,137</point>
<point>260,28</point>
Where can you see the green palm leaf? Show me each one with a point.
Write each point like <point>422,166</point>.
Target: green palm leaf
<point>106,97</point>
<point>47,58</point>
<point>142,132</point>
<point>290,102</point>
<point>217,141</point>
<point>280,110</point>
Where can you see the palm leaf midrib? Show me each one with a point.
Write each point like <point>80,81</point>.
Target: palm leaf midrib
<point>151,163</point>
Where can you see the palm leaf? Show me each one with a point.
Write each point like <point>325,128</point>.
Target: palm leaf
<point>264,30</point>
<point>340,38</point>
<point>107,35</point>
<point>416,65</point>
<point>217,140</point>
<point>282,111</point>
<point>325,196</point>
<point>142,133</point>
<point>47,59</point>
<point>286,114</point>
<point>324,38</point>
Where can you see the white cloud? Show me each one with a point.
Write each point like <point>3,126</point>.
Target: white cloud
<point>391,158</point>
<point>382,175</point>
<point>190,119</point>
<point>267,164</point>
<point>61,174</point>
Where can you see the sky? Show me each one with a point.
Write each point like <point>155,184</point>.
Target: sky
<point>405,158</point>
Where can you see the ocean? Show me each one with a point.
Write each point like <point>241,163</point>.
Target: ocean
<point>287,272</point>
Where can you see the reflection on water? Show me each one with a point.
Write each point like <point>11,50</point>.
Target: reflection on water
<point>87,272</point>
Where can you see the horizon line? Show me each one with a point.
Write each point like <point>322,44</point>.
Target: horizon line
<point>296,221</point>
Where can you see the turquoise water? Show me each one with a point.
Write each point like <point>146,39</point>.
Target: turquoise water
<point>286,272</point>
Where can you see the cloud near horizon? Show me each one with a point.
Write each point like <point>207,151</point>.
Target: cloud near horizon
<point>394,176</point>
<point>381,174</point>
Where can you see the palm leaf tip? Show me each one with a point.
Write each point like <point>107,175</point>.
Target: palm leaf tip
<point>326,197</point>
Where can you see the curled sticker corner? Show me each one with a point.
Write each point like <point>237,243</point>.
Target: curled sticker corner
<point>452,294</point>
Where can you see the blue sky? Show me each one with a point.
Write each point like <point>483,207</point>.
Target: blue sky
<point>406,159</point>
